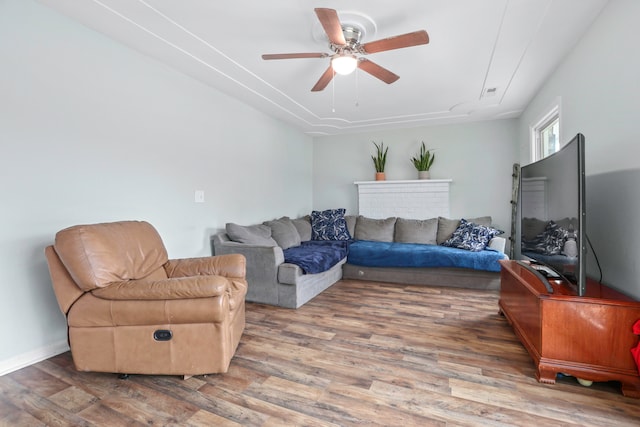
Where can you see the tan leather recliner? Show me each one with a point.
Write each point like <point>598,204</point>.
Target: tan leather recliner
<point>131,310</point>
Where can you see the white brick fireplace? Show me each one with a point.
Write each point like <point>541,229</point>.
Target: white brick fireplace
<point>413,199</point>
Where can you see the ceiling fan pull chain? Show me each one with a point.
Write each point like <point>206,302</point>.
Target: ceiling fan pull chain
<point>333,95</point>
<point>357,90</point>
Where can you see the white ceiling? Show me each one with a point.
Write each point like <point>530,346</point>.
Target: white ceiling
<point>509,45</point>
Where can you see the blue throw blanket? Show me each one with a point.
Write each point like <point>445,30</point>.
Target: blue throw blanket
<point>316,256</point>
<point>388,254</point>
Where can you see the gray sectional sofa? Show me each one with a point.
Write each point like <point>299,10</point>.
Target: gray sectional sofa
<point>272,280</point>
<point>276,281</point>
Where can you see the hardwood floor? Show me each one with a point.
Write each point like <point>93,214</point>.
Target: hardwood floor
<point>361,353</point>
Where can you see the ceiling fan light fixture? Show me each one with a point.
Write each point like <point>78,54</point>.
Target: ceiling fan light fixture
<point>344,64</point>
<point>344,42</point>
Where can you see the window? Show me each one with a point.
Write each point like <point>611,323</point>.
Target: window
<point>545,134</point>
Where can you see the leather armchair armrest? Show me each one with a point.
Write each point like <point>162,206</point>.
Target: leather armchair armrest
<point>231,265</point>
<point>165,289</point>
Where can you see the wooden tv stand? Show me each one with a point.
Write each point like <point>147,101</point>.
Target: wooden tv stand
<point>588,337</point>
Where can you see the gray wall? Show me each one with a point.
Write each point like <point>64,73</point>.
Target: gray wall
<point>478,157</point>
<point>92,131</point>
<point>599,87</point>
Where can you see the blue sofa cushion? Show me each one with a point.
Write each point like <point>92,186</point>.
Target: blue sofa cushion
<point>316,256</point>
<point>392,254</point>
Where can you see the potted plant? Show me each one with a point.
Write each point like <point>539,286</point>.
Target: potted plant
<point>423,162</point>
<point>379,160</point>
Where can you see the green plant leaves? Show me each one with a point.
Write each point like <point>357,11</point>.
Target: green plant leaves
<point>380,159</point>
<point>424,159</point>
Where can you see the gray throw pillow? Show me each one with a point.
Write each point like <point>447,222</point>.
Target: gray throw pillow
<point>251,234</point>
<point>284,232</point>
<point>423,231</point>
<point>303,225</point>
<point>379,230</point>
<point>446,226</point>
<point>532,227</point>
<point>567,223</point>
<point>351,224</point>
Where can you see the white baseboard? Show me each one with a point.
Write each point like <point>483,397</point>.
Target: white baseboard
<point>31,357</point>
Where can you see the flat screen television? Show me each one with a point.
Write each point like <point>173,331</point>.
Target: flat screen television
<point>552,215</point>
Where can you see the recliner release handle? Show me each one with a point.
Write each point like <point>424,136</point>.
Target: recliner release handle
<point>162,335</point>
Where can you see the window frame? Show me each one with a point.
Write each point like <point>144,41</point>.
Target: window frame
<point>552,114</point>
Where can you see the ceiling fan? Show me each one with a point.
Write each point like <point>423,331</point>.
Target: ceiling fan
<point>344,41</point>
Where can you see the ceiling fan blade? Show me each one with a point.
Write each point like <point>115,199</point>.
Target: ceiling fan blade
<point>377,71</point>
<point>294,55</point>
<point>331,24</point>
<point>324,80</point>
<point>397,42</point>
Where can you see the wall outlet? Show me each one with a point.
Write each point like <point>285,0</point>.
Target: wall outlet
<point>199,196</point>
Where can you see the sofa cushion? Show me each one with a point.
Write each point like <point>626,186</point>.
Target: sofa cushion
<point>378,230</point>
<point>303,225</point>
<point>531,227</point>
<point>471,236</point>
<point>284,232</point>
<point>446,226</point>
<point>393,254</point>
<point>251,234</point>
<point>416,231</point>
<point>351,224</point>
<point>567,223</point>
<point>329,225</point>
<point>316,256</point>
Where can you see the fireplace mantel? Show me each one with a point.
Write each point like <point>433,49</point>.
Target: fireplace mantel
<point>414,199</point>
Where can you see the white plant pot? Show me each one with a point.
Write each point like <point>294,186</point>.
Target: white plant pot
<point>424,175</point>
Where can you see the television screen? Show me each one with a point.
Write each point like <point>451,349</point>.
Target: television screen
<point>552,213</point>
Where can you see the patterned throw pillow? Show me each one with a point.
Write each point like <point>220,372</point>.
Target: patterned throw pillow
<point>446,226</point>
<point>549,242</point>
<point>471,236</point>
<point>329,225</point>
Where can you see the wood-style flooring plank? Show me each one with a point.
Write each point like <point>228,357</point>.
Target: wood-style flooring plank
<point>361,353</point>
<point>39,407</point>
